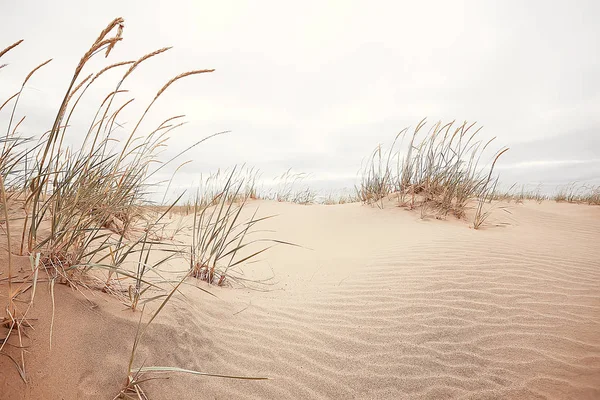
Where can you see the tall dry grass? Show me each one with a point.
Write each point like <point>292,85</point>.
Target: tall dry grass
<point>439,170</point>
<point>85,208</point>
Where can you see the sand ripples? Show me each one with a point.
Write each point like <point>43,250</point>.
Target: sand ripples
<point>494,314</point>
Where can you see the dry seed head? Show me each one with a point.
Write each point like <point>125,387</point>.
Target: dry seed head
<point>144,58</point>
<point>162,125</point>
<point>107,42</point>
<point>119,35</point>
<point>78,87</point>
<point>9,48</point>
<point>92,50</point>
<point>112,94</point>
<point>172,118</point>
<point>420,125</point>
<point>35,69</point>
<point>81,84</point>
<point>9,99</point>
<point>103,70</point>
<point>175,127</point>
<point>498,155</point>
<point>470,126</point>
<point>16,126</point>
<point>487,144</point>
<point>114,117</point>
<point>180,76</point>
<point>117,21</point>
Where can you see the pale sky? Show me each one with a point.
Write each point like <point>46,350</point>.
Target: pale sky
<point>315,86</point>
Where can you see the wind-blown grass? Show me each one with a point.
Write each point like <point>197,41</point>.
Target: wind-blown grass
<point>573,192</point>
<point>85,208</point>
<point>439,170</point>
<point>221,234</point>
<point>287,188</point>
<point>578,193</point>
<point>520,196</point>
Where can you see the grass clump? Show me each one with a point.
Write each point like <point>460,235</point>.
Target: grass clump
<point>578,193</point>
<point>520,196</point>
<point>222,237</point>
<point>439,170</point>
<point>377,179</point>
<point>286,189</point>
<point>570,193</point>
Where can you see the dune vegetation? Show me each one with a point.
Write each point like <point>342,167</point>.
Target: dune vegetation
<point>440,172</point>
<point>83,217</point>
<point>76,210</point>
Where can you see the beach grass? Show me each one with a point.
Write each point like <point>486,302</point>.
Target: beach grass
<point>221,234</point>
<point>439,171</point>
<point>86,208</point>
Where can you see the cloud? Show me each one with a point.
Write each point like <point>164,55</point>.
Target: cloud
<point>315,86</point>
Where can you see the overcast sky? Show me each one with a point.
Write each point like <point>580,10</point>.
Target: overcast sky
<point>315,86</point>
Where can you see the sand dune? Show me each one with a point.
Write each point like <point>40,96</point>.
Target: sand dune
<point>379,304</point>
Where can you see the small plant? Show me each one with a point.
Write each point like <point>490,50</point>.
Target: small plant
<point>286,188</point>
<point>347,199</point>
<point>377,179</point>
<point>221,234</point>
<point>578,193</point>
<point>305,197</point>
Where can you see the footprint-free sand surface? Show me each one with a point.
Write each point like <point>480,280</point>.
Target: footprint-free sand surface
<point>378,304</point>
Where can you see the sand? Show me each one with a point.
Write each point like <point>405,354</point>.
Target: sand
<point>378,304</point>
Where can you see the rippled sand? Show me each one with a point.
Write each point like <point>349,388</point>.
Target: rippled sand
<point>379,304</point>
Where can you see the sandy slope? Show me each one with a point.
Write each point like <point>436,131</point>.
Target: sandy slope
<point>379,305</point>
